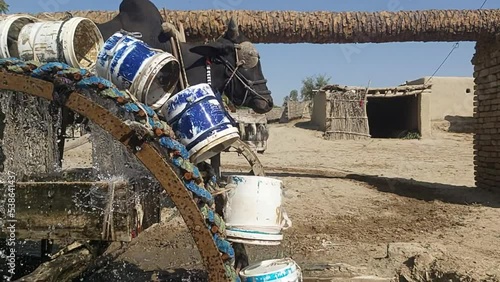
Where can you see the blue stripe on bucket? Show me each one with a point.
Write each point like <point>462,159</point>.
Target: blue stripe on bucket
<point>270,277</point>
<point>252,232</point>
<point>118,53</point>
<point>198,120</point>
<point>126,60</point>
<point>133,61</point>
<point>188,107</point>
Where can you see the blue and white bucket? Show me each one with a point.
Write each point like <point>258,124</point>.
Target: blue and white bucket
<point>276,270</point>
<point>149,74</point>
<point>253,211</point>
<point>200,122</point>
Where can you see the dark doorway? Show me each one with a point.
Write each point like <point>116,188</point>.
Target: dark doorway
<point>394,117</point>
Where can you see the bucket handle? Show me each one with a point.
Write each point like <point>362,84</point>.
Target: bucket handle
<point>135,34</point>
<point>285,220</point>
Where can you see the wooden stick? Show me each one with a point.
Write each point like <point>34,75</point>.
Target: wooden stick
<point>347,132</point>
<point>182,34</point>
<point>347,117</point>
<point>67,265</point>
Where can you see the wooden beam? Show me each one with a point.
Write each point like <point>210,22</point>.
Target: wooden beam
<point>329,27</point>
<point>71,210</point>
<point>380,92</point>
<point>67,264</point>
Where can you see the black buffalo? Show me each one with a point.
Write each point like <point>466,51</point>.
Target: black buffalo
<point>137,15</point>
<point>242,82</point>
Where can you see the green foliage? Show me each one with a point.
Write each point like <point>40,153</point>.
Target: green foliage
<point>311,83</point>
<point>4,7</point>
<point>412,135</point>
<point>294,95</point>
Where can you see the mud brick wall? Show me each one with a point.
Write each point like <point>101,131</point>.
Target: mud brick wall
<point>274,115</point>
<point>487,114</point>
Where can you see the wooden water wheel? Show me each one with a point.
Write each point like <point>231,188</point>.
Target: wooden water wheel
<point>148,151</point>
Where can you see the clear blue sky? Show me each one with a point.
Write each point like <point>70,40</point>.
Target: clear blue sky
<point>285,65</point>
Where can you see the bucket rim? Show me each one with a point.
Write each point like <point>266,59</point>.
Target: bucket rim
<point>283,263</point>
<point>255,242</point>
<point>7,23</point>
<point>144,79</point>
<point>237,233</point>
<point>188,90</point>
<point>201,151</point>
<point>70,51</point>
<point>253,177</point>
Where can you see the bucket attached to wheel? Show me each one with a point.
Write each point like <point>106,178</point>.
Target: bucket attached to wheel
<point>253,212</point>
<point>200,122</point>
<point>276,270</point>
<point>10,27</point>
<point>75,41</point>
<point>149,74</point>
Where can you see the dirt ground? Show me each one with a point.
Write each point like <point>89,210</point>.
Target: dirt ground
<point>389,208</point>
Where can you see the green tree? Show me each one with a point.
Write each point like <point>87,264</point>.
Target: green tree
<point>294,95</point>
<point>312,83</point>
<point>4,7</point>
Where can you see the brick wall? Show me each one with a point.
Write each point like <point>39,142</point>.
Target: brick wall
<point>487,114</point>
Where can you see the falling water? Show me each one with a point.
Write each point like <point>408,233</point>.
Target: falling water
<point>29,127</point>
<point>28,147</point>
<point>28,133</point>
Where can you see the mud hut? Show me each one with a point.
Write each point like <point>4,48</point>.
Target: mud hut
<point>345,112</point>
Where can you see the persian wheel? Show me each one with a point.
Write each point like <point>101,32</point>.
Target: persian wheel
<point>146,136</point>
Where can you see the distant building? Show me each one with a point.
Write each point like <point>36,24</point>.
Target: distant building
<point>395,111</point>
<point>347,112</point>
<point>451,96</point>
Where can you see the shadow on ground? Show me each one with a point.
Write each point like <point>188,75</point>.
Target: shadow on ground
<point>307,124</point>
<point>426,191</point>
<point>460,124</point>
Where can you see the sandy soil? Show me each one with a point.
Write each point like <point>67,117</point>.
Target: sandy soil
<point>389,208</point>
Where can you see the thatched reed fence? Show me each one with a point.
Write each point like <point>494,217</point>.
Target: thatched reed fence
<point>293,110</point>
<point>346,114</point>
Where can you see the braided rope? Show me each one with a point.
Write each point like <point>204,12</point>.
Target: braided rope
<point>147,124</point>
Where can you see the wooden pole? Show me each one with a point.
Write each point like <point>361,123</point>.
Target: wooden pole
<point>322,27</point>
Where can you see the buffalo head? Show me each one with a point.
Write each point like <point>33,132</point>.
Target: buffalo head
<point>245,84</point>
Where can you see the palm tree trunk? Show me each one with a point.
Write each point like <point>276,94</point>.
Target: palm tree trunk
<point>332,27</point>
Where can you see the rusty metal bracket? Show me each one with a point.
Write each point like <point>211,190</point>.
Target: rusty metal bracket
<point>152,159</point>
<point>242,148</point>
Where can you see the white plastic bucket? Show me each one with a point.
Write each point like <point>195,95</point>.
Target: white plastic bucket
<point>150,74</point>
<point>10,27</point>
<point>200,122</point>
<point>253,212</point>
<point>75,41</point>
<point>277,270</point>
